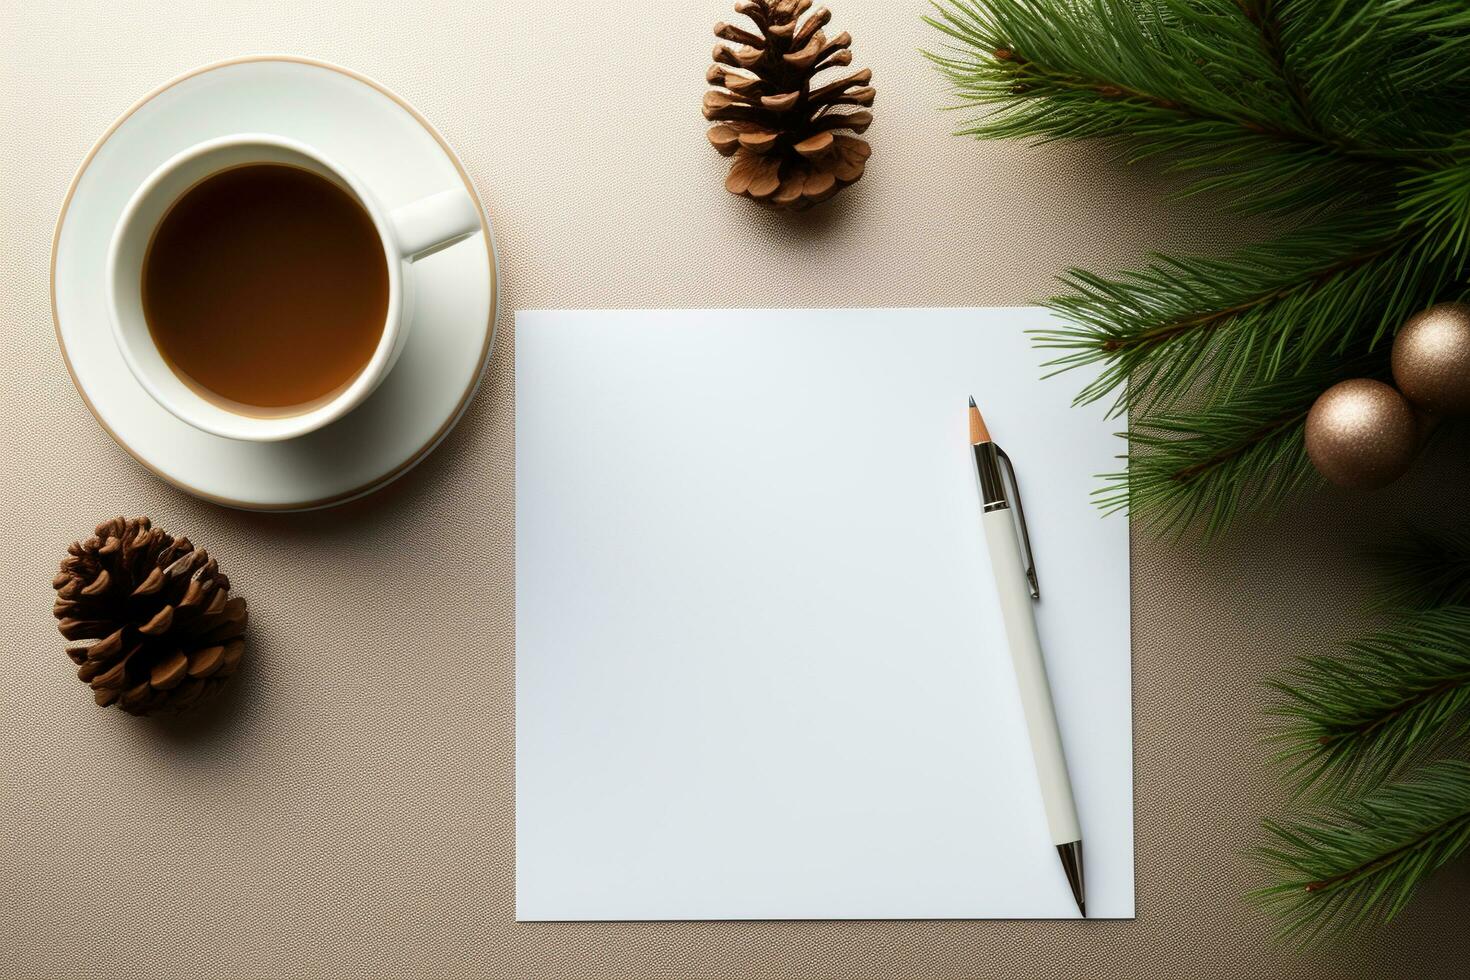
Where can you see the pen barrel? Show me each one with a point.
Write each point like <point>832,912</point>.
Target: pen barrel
<point>1018,613</point>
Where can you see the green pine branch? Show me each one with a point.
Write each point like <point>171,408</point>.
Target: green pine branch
<point>1392,697</point>
<point>1265,16</point>
<point>1422,571</point>
<point>1346,119</point>
<point>1182,325</point>
<point>1183,467</point>
<point>1198,83</point>
<point>1357,863</point>
<point>1359,53</point>
<point>1393,704</point>
<point>1401,692</point>
<point>1436,200</point>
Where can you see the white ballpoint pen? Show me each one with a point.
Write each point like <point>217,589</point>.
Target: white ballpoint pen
<point>1015,581</point>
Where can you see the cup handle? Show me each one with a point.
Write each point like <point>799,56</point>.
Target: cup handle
<point>434,222</point>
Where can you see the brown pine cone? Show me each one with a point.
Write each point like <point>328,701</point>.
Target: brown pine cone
<point>152,620</point>
<point>780,129</point>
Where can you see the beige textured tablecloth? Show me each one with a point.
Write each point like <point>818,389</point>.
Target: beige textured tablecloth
<point>348,809</point>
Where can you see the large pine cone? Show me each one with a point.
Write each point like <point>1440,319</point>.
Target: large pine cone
<point>157,627</point>
<point>779,128</point>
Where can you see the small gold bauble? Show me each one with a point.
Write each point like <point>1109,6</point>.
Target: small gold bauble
<point>1431,359</point>
<point>1361,434</point>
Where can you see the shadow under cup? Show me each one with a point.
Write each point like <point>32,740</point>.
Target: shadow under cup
<point>129,250</point>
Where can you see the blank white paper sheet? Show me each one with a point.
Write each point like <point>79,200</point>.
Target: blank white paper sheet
<point>760,666</point>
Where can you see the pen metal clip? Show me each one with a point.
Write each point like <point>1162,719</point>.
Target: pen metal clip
<point>1010,477</point>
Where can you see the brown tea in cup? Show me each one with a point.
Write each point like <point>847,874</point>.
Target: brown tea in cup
<point>265,288</point>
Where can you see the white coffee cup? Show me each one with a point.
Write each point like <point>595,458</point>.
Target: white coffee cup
<point>408,233</point>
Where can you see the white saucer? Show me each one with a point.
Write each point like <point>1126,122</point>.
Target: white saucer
<point>391,147</point>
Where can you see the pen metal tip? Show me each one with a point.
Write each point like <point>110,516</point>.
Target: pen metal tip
<point>1071,855</point>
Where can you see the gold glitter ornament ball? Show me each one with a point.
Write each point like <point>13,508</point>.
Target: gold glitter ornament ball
<point>1431,359</point>
<point>1362,434</point>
